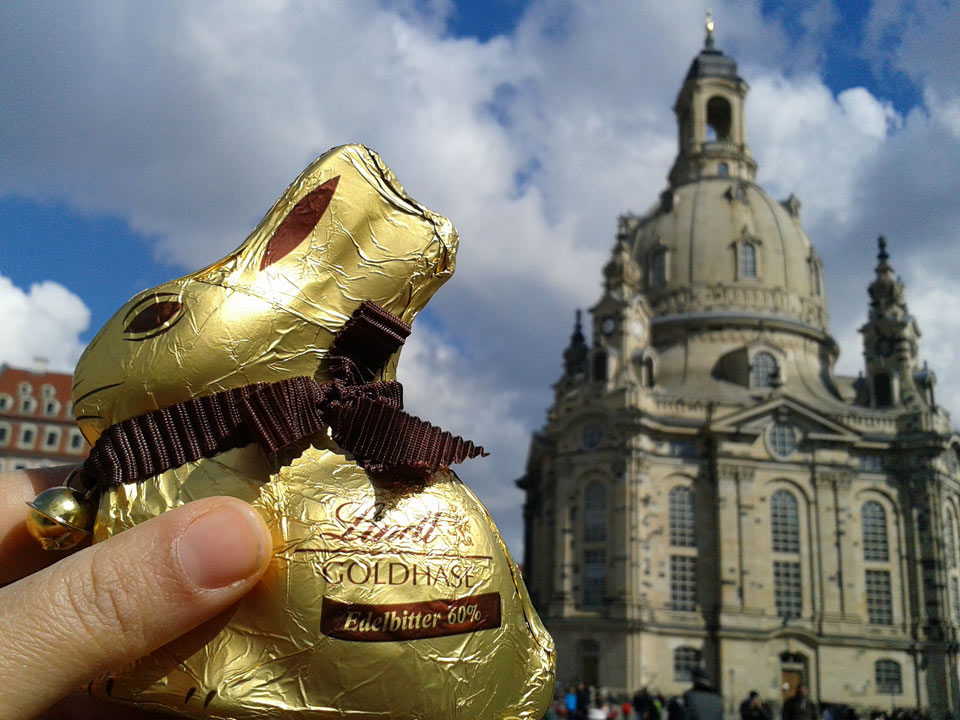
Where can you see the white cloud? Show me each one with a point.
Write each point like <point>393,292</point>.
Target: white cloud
<point>443,387</point>
<point>43,322</point>
<point>938,343</point>
<point>814,144</point>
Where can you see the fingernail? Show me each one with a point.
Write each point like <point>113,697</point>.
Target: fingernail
<point>222,547</point>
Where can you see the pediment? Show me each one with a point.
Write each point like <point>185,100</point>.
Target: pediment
<point>754,420</point>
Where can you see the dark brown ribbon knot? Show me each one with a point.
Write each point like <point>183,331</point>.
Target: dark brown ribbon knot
<point>365,417</point>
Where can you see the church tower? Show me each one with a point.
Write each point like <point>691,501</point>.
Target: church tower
<point>710,120</point>
<point>707,492</point>
<point>890,345</point>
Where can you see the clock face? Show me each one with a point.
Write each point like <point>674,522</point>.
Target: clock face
<point>608,326</point>
<point>637,329</point>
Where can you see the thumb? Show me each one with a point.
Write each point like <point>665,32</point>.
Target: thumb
<point>106,606</point>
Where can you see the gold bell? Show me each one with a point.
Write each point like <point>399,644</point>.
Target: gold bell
<point>60,517</point>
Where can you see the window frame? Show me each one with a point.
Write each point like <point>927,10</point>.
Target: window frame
<point>681,517</point>
<point>888,677</point>
<point>594,583</point>
<point>785,523</point>
<point>594,512</point>
<point>874,532</point>
<point>761,378</point>
<point>788,588</point>
<point>878,594</point>
<point>683,583</point>
<point>685,659</point>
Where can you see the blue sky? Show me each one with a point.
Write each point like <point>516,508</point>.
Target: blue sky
<point>139,141</point>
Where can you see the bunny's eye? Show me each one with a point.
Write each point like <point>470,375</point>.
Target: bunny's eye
<point>157,317</point>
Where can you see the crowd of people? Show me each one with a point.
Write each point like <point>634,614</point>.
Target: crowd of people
<point>703,702</point>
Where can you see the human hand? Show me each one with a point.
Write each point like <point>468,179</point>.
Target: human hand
<point>101,608</point>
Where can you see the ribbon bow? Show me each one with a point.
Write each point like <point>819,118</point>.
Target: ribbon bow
<point>365,417</point>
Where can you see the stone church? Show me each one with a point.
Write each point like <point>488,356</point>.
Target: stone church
<point>707,492</point>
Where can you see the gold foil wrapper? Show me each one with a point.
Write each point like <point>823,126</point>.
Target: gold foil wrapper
<point>382,600</point>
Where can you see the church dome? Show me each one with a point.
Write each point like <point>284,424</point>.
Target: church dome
<point>717,249</point>
<point>721,247</point>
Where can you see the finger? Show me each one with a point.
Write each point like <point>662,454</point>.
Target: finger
<point>116,601</point>
<point>20,554</point>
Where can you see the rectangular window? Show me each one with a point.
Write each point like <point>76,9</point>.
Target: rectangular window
<point>879,598</point>
<point>681,448</point>
<point>681,518</point>
<point>594,576</point>
<point>683,582</point>
<point>76,441</point>
<point>787,589</point>
<point>52,439</point>
<point>4,434</point>
<point>27,435</point>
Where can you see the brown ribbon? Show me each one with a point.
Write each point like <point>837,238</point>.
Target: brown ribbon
<point>366,418</point>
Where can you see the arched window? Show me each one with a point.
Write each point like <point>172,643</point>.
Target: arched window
<point>723,170</point>
<point>951,540</point>
<point>785,522</point>
<point>648,375</point>
<point>888,678</point>
<point>718,119</point>
<point>785,531</point>
<point>763,370</point>
<point>681,518</point>
<point>658,268</point>
<point>873,521</point>
<point>685,659</point>
<point>595,513</point>
<point>748,260</point>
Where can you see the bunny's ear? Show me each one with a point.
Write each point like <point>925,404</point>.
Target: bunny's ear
<point>299,223</point>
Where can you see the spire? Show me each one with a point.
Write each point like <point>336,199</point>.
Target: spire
<point>887,296</point>
<point>577,352</point>
<point>890,342</point>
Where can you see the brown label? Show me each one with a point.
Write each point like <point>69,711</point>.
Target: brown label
<point>409,621</point>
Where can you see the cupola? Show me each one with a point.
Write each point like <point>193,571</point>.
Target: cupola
<point>710,119</point>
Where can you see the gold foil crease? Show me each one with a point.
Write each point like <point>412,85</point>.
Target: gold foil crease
<point>379,602</point>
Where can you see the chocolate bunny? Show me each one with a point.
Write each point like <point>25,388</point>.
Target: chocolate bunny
<point>391,593</point>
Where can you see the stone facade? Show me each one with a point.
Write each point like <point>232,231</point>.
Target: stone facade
<point>706,491</point>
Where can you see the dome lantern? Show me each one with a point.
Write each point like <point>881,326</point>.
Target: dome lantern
<point>710,119</point>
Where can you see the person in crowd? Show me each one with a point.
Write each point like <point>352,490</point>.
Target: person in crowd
<point>570,701</point>
<point>600,710</point>
<point>702,702</point>
<point>583,701</point>
<point>644,707</point>
<point>752,708</point>
<point>626,710</point>
<point>675,709</point>
<point>800,706</point>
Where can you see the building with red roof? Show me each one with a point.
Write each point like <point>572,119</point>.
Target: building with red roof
<point>36,420</point>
